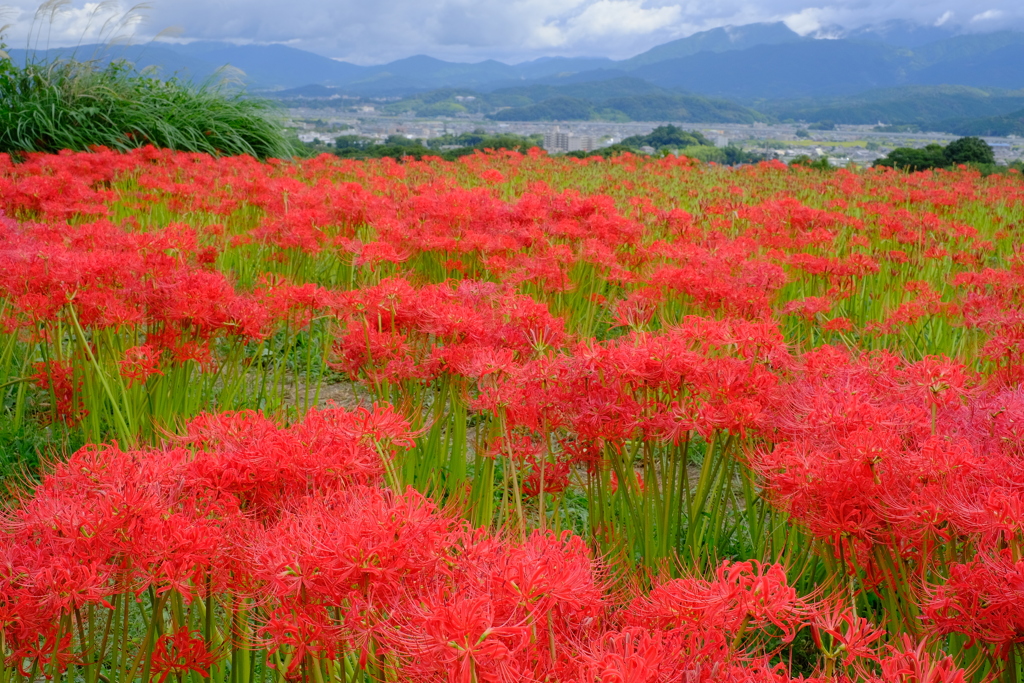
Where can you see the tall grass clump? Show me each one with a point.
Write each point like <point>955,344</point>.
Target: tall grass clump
<point>77,104</point>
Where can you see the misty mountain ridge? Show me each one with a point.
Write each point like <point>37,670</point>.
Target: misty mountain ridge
<point>751,62</point>
<point>895,73</point>
<point>620,99</point>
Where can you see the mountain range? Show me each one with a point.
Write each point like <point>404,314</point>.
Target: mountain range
<point>871,74</point>
<point>752,62</point>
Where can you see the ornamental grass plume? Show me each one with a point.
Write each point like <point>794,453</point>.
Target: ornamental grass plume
<point>68,103</point>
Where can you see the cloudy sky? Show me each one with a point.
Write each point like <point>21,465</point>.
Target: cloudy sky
<point>471,30</point>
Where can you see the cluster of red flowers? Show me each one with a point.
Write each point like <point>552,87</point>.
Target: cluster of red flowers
<point>830,363</point>
<point>289,533</point>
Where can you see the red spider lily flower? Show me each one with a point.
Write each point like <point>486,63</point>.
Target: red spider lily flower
<point>855,637</point>
<point>460,638</point>
<point>181,652</point>
<point>636,311</point>
<point>743,595</point>
<point>911,663</point>
<point>140,363</point>
<point>636,656</point>
<point>809,308</point>
<point>59,378</point>
<point>981,599</point>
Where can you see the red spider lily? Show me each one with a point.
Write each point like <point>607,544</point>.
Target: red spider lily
<point>140,363</point>
<point>460,638</point>
<point>981,599</point>
<point>743,595</point>
<point>853,636</point>
<point>910,663</point>
<point>636,655</point>
<point>181,652</point>
<point>59,378</point>
<point>896,467</point>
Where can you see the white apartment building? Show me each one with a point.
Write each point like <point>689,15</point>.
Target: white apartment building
<point>561,141</point>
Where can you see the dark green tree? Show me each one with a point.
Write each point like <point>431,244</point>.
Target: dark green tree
<point>352,142</point>
<point>604,152</point>
<point>672,137</point>
<point>821,164</point>
<point>969,150</point>
<point>911,159</point>
<point>734,154</point>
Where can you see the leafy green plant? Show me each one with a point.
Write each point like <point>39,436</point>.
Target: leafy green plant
<point>968,150</point>
<point>71,104</point>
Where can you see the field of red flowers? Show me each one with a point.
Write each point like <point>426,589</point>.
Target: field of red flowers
<point>511,418</point>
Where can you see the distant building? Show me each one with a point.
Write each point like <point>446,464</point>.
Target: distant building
<point>556,141</point>
<point>562,141</point>
<point>721,141</point>
<point>582,143</point>
<point>325,138</point>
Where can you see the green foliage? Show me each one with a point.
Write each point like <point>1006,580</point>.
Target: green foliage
<point>1009,124</point>
<point>802,133</point>
<point>443,102</point>
<point>967,150</point>
<point>69,104</point>
<point>617,99</point>
<point>20,446</point>
<point>676,107</point>
<point>480,139</point>
<point>620,99</point>
<point>908,108</point>
<point>731,155</point>
<point>734,155</point>
<point>804,160</point>
<point>911,159</point>
<point>668,136</point>
<point>395,151</point>
<point>603,152</point>
<point>559,108</point>
<point>25,444</point>
<point>824,124</point>
<point>348,142</point>
<point>398,147</point>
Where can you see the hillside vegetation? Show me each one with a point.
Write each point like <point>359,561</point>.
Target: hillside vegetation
<point>616,99</point>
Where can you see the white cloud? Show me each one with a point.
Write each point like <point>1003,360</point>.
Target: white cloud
<point>617,17</point>
<point>66,24</point>
<point>805,21</point>
<point>946,16</point>
<point>987,15</point>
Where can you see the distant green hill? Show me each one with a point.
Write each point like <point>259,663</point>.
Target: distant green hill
<point>620,86</point>
<point>618,99</point>
<point>559,108</point>
<point>928,107</point>
<point>1010,124</point>
<point>652,107</point>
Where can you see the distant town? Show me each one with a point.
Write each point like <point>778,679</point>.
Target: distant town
<point>841,145</point>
